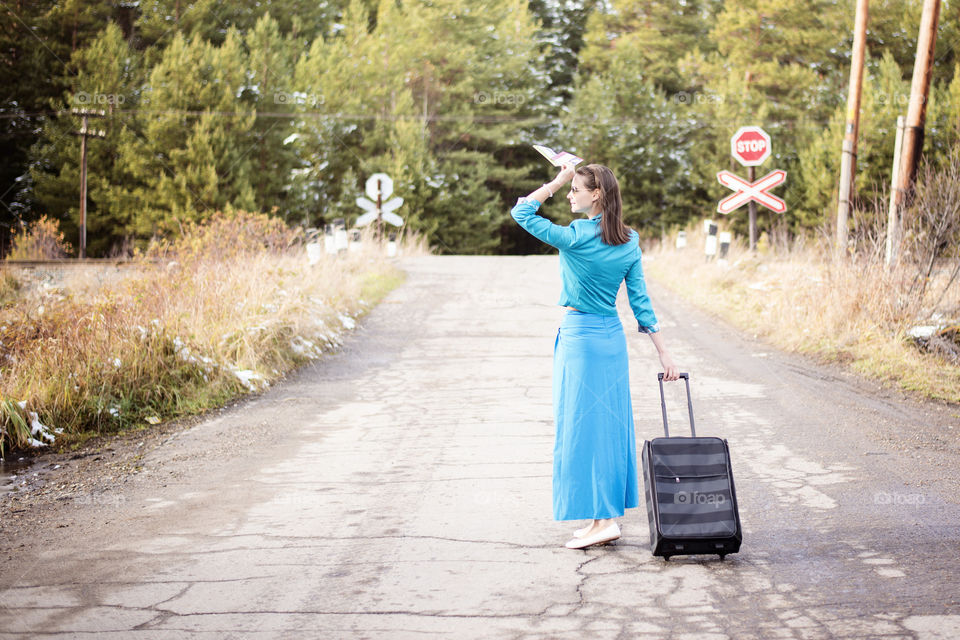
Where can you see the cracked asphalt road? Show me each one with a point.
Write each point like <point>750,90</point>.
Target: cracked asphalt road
<point>401,489</point>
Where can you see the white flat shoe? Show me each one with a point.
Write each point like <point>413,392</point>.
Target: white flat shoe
<point>608,534</point>
<point>579,533</point>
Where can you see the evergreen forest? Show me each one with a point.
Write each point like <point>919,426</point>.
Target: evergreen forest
<point>288,106</point>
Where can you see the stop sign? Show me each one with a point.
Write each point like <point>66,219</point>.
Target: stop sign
<point>750,146</point>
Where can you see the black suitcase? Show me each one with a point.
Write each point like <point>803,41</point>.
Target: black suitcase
<point>691,501</point>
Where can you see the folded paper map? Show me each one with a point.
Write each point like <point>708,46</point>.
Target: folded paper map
<point>557,158</point>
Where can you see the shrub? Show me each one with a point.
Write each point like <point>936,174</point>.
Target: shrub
<point>40,240</point>
<point>226,236</point>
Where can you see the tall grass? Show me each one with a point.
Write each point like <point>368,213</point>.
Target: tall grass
<point>853,310</point>
<point>228,308</point>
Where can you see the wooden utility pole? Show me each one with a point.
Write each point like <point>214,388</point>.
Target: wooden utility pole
<point>752,176</point>
<point>379,209</point>
<point>84,133</point>
<point>848,157</point>
<point>752,212</point>
<point>906,165</point>
<point>893,212</point>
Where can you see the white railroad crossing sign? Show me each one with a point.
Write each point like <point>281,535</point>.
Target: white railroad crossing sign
<point>379,187</point>
<point>747,191</point>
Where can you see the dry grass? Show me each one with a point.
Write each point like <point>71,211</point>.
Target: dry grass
<point>229,308</point>
<point>800,299</point>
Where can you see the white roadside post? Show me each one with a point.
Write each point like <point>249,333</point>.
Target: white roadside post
<point>329,244</point>
<point>339,234</point>
<point>355,241</point>
<point>681,239</point>
<point>314,249</point>
<point>725,238</point>
<point>392,245</point>
<point>710,245</point>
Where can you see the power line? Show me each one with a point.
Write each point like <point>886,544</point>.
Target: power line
<point>318,115</point>
<point>286,114</point>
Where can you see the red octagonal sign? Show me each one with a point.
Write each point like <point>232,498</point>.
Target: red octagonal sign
<point>750,146</point>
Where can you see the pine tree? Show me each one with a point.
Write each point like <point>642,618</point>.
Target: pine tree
<point>631,126</point>
<point>884,97</point>
<point>37,40</point>
<point>211,20</point>
<point>270,89</point>
<point>646,38</point>
<point>561,38</point>
<point>942,138</point>
<point>427,93</point>
<point>73,23</point>
<point>194,144</point>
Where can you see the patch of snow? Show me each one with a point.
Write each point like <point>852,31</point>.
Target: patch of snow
<point>923,331</point>
<point>304,347</point>
<point>42,431</point>
<point>248,378</point>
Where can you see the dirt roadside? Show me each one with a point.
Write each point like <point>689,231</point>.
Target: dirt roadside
<point>77,489</point>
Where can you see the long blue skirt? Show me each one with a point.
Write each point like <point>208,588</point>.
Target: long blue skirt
<point>594,454</point>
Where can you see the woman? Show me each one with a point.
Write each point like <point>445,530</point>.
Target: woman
<point>594,455</point>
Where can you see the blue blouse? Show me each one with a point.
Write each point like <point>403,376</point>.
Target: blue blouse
<point>590,270</point>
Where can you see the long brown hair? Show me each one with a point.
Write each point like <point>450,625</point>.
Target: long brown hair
<point>612,229</point>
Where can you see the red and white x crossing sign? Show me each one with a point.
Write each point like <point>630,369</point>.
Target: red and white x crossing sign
<point>747,191</point>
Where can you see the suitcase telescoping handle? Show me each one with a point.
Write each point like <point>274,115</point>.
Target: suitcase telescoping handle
<point>663,404</point>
